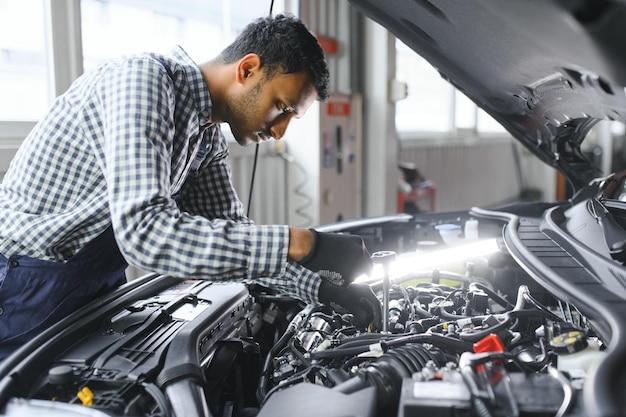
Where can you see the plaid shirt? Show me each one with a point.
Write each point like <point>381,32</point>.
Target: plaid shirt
<point>129,144</point>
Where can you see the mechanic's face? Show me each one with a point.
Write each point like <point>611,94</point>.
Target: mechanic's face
<point>264,107</point>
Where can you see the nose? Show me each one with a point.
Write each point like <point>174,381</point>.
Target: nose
<point>279,127</point>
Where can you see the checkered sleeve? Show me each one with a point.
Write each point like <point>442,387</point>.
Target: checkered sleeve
<point>211,194</point>
<point>298,282</point>
<point>152,232</point>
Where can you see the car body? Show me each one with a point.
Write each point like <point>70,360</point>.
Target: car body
<point>514,311</point>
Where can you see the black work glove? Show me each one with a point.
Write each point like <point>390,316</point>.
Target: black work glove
<point>338,258</point>
<point>358,299</point>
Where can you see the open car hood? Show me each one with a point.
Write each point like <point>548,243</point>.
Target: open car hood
<point>547,70</point>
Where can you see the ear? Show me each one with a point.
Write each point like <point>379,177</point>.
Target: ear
<point>248,67</point>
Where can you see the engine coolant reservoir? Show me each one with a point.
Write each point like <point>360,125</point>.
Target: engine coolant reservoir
<point>576,351</point>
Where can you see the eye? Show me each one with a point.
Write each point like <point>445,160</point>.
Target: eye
<point>285,109</point>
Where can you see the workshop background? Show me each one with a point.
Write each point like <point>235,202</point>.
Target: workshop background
<point>390,114</point>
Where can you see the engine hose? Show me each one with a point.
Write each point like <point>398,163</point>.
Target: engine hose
<point>441,327</point>
<point>292,329</point>
<point>387,372</point>
<point>446,315</point>
<point>494,296</point>
<point>480,407</point>
<point>338,353</point>
<point>356,347</point>
<point>422,325</point>
<point>371,337</point>
<point>419,311</point>
<point>535,313</point>
<point>159,398</point>
<point>438,340</point>
<point>476,335</point>
<point>478,404</point>
<point>294,349</point>
<point>262,387</point>
<point>366,339</point>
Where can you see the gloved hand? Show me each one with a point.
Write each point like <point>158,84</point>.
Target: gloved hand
<point>338,258</point>
<point>358,299</point>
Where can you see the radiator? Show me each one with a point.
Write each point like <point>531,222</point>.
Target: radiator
<point>467,175</point>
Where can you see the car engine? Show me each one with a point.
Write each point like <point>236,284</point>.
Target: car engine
<point>465,332</point>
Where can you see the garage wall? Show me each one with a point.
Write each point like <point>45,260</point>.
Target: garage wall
<point>483,173</point>
<point>464,174</point>
<point>268,204</point>
<point>364,64</point>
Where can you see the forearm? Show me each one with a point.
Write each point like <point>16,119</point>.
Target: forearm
<point>174,243</point>
<point>300,243</point>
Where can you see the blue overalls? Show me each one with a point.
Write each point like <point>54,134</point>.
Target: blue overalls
<point>35,294</point>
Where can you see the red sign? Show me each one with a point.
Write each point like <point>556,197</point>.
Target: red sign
<point>338,108</point>
<point>329,45</point>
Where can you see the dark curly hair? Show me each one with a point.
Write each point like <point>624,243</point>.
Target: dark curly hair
<point>284,44</point>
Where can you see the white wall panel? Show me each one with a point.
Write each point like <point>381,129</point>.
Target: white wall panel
<point>481,174</point>
<point>268,204</point>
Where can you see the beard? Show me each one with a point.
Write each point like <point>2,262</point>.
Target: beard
<point>241,117</point>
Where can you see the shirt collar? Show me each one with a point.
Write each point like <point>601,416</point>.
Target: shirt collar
<point>197,84</point>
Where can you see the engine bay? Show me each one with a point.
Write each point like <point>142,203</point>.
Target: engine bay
<point>485,313</point>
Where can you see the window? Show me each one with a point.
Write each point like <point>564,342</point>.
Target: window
<point>109,28</point>
<point>430,97</point>
<point>433,105</point>
<point>202,28</point>
<point>25,75</point>
<point>115,27</point>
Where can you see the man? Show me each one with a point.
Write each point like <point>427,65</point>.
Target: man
<point>129,166</point>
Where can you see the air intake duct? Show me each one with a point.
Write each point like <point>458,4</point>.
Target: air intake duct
<point>386,374</point>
